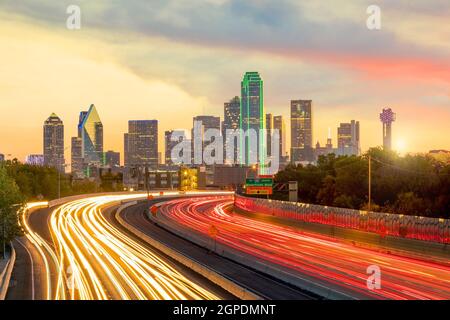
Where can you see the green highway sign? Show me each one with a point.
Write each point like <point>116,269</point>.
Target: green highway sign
<point>259,182</point>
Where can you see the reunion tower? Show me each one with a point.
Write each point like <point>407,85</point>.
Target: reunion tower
<point>387,117</point>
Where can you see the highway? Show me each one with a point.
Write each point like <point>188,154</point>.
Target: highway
<point>328,261</point>
<point>257,282</point>
<point>80,255</point>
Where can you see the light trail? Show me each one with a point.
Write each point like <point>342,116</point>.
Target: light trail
<point>95,260</point>
<point>40,244</point>
<point>317,256</point>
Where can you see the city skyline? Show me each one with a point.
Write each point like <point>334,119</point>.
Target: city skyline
<point>348,78</point>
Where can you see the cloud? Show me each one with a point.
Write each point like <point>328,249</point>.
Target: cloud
<point>309,49</point>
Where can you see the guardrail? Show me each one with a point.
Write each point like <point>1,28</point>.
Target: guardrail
<point>384,224</point>
<point>5,275</point>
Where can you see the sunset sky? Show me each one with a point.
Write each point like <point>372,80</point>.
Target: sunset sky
<point>172,60</point>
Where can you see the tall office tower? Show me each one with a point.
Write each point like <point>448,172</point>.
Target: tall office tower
<point>141,144</point>
<point>348,139</point>
<point>207,122</point>
<point>112,159</point>
<point>387,117</point>
<point>77,158</point>
<point>2,157</point>
<point>90,130</point>
<point>231,120</point>
<point>301,131</point>
<point>252,117</point>
<point>54,142</point>
<point>269,131</point>
<point>279,124</point>
<point>169,144</point>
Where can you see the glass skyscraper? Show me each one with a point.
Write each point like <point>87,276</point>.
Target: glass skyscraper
<point>141,144</point>
<point>278,124</point>
<point>54,142</point>
<point>301,131</point>
<point>207,123</point>
<point>252,117</point>
<point>77,158</point>
<point>231,121</point>
<point>348,139</point>
<point>90,130</point>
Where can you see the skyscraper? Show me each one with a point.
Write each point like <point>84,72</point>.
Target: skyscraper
<point>231,121</point>
<point>387,117</point>
<point>54,142</point>
<point>141,144</point>
<point>207,122</point>
<point>269,131</point>
<point>2,157</point>
<point>348,139</point>
<point>279,124</point>
<point>169,144</point>
<point>252,117</point>
<point>77,158</point>
<point>90,130</point>
<point>301,131</point>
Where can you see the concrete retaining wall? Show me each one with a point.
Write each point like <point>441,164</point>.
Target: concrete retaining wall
<point>5,274</point>
<point>385,224</point>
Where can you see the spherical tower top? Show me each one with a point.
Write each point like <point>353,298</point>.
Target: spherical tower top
<point>387,116</point>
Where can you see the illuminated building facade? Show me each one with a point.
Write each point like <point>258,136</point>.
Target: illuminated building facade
<point>231,121</point>
<point>54,142</point>
<point>90,129</point>
<point>252,117</point>
<point>348,139</point>
<point>301,131</point>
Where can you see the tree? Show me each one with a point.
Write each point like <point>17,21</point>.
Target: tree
<point>11,203</point>
<point>413,184</point>
<point>327,193</point>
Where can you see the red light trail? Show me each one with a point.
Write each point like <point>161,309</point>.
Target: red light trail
<point>317,256</point>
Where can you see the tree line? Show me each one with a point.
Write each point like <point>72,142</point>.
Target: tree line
<point>21,183</point>
<point>412,184</point>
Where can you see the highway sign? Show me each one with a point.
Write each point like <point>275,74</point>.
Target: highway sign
<point>258,190</point>
<point>259,182</point>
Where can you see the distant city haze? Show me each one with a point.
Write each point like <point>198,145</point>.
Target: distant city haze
<point>175,62</point>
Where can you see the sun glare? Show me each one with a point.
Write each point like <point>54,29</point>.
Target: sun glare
<point>400,146</point>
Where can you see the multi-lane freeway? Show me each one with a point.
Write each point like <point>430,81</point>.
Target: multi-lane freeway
<point>336,264</point>
<point>75,252</point>
<point>79,250</point>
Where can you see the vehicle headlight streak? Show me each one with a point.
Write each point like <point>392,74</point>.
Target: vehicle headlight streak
<point>95,260</point>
